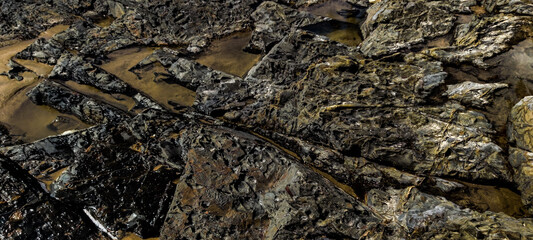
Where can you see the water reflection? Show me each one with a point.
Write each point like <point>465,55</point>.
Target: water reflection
<point>148,79</point>
<point>25,120</point>
<point>344,27</point>
<point>227,55</point>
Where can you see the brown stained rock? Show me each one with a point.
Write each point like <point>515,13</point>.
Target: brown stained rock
<point>521,124</point>
<point>369,109</point>
<point>236,186</point>
<point>394,25</point>
<point>424,216</point>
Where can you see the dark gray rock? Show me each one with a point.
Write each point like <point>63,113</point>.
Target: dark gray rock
<point>67,101</point>
<point>71,67</point>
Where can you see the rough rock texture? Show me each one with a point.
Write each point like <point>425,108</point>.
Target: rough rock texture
<point>246,185</point>
<point>521,122</point>
<point>473,94</point>
<point>394,25</point>
<point>65,100</point>
<point>193,75</point>
<point>27,212</point>
<point>70,67</point>
<point>273,21</point>
<point>299,99</point>
<point>399,137</point>
<point>425,216</point>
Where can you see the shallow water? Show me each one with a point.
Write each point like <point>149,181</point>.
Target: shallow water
<point>148,79</point>
<point>344,27</point>
<point>119,101</point>
<point>227,55</point>
<point>105,22</point>
<point>25,120</point>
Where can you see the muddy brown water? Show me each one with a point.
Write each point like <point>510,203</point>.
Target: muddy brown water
<point>148,80</point>
<point>227,54</point>
<point>25,120</point>
<point>344,27</point>
<point>119,101</point>
<point>105,22</point>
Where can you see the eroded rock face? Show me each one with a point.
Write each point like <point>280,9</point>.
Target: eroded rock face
<point>317,140</point>
<point>473,94</point>
<point>246,185</point>
<point>394,25</point>
<point>367,110</point>
<point>429,217</point>
<point>28,213</point>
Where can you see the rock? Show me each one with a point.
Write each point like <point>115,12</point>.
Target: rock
<point>509,6</point>
<point>28,213</point>
<point>484,37</point>
<point>375,117</point>
<point>264,194</point>
<point>428,217</point>
<point>70,67</point>
<point>273,21</point>
<point>42,50</point>
<point>193,75</point>
<point>394,25</point>
<point>521,121</point>
<point>143,102</point>
<point>473,94</point>
<point>522,163</point>
<point>67,101</point>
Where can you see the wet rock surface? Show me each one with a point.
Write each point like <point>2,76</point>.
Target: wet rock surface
<point>334,119</point>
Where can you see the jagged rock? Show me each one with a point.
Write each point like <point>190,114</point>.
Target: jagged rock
<point>522,163</point>
<point>394,25</point>
<point>473,94</point>
<point>193,75</point>
<point>42,50</point>
<point>273,21</point>
<point>109,174</point>
<point>521,122</point>
<point>424,216</point>
<point>70,67</point>
<point>484,37</point>
<point>164,56</point>
<point>143,102</point>
<point>376,116</point>
<point>67,101</point>
<point>237,186</point>
<point>509,6</point>
<point>26,19</point>
<point>26,212</point>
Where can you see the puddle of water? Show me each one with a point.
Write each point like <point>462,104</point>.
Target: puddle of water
<point>25,120</point>
<point>149,78</point>
<point>50,178</point>
<point>41,69</point>
<point>53,31</point>
<point>490,198</point>
<point>105,22</point>
<point>335,9</point>
<point>29,122</point>
<point>6,53</point>
<point>345,25</point>
<point>227,55</point>
<point>343,32</point>
<point>119,101</point>
<point>133,236</point>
